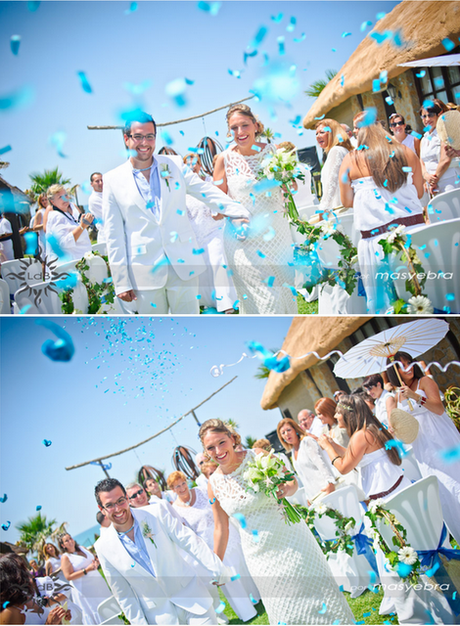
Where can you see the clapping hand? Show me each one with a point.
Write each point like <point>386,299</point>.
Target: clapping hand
<point>324,441</point>
<point>57,614</point>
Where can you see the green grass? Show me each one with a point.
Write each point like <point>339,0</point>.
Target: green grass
<point>368,602</point>
<point>306,308</point>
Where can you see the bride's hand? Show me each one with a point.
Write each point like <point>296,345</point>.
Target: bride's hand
<point>241,227</point>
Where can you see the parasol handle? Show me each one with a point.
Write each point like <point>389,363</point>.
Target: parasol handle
<point>408,399</point>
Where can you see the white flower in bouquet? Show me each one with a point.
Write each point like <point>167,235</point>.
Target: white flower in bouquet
<point>375,504</point>
<point>408,555</point>
<point>420,305</point>
<point>321,509</point>
<point>88,255</point>
<point>328,227</point>
<point>395,232</point>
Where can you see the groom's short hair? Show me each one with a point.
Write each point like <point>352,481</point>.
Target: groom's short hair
<point>140,117</point>
<point>107,485</point>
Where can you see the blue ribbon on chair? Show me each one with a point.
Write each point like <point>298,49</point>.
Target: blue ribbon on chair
<point>431,557</point>
<point>363,545</point>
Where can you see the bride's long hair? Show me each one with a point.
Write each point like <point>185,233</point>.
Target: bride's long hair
<point>358,416</point>
<point>243,109</point>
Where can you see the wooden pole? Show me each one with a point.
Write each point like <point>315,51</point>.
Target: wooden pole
<point>109,456</point>
<point>186,119</point>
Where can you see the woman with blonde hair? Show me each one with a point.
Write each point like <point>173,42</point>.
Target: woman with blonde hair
<point>383,182</point>
<point>333,139</point>
<point>286,563</point>
<point>195,509</point>
<point>307,459</point>
<point>260,258</point>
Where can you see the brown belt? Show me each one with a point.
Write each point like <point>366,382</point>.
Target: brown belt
<point>385,493</point>
<point>410,220</point>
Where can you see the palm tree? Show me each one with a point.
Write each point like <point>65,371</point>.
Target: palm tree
<point>249,442</point>
<point>36,531</point>
<point>317,87</point>
<point>263,371</point>
<point>268,134</point>
<point>41,182</point>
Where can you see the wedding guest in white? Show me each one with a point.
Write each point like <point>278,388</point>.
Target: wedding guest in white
<point>201,481</point>
<point>143,567</point>
<point>37,225</point>
<point>399,129</point>
<point>215,283</point>
<point>194,507</point>
<point>325,410</point>
<point>70,234</point>
<point>136,495</point>
<point>95,204</point>
<point>80,568</point>
<point>103,522</point>
<point>350,134</point>
<point>440,168</point>
<point>151,245</point>
<point>335,142</point>
<point>6,243</point>
<point>375,387</point>
<point>309,422</point>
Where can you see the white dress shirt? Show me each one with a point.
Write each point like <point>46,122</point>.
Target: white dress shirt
<point>381,409</point>
<point>61,225</point>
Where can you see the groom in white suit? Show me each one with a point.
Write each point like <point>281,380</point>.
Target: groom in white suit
<point>141,561</point>
<point>153,254</point>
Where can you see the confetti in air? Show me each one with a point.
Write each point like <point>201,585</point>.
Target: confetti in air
<point>60,350</point>
<point>4,498</point>
<point>210,7</point>
<point>220,608</point>
<point>17,99</point>
<point>132,8</point>
<point>241,519</point>
<point>6,526</point>
<point>15,42</point>
<point>323,609</point>
<point>46,443</point>
<point>84,82</point>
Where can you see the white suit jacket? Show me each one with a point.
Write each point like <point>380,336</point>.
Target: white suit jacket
<point>146,599</point>
<point>139,245</point>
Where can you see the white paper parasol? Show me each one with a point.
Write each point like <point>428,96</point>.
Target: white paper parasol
<point>370,356</point>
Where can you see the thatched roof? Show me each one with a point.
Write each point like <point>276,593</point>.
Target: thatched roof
<point>318,334</point>
<point>423,26</point>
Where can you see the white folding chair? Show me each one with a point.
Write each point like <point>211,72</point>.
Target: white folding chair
<point>41,299</point>
<point>418,509</point>
<point>445,206</point>
<point>5,305</point>
<point>20,272</point>
<point>353,573</point>
<point>410,466</point>
<point>99,247</point>
<point>109,611</point>
<point>438,246</point>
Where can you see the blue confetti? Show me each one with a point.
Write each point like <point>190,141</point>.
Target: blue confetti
<point>450,296</point>
<point>277,18</point>
<point>281,48</point>
<point>235,577</point>
<point>259,37</point>
<point>370,116</point>
<point>220,608</point>
<point>210,7</point>
<point>389,100</point>
<point>406,169</point>
<point>421,74</point>
<point>345,34</point>
<point>292,23</point>
<point>364,25</point>
<point>299,39</point>
<point>6,526</point>
<point>282,365</point>
<point>237,74</point>
<point>84,82</point>
<point>342,80</point>
<point>261,254</point>
<point>132,8</point>
<point>404,570</point>
<point>246,55</point>
<point>395,443</point>
<point>176,90</point>
<point>31,242</point>
<point>33,5</point>
<point>253,600</point>
<point>376,86</point>
<point>17,99</point>
<point>255,536</point>
<point>236,305</point>
<point>450,455</point>
<point>321,117</point>
<point>38,507</point>
<point>5,149</point>
<point>241,519</point>
<point>57,140</point>
<point>15,42</point>
<point>168,140</point>
<point>323,609</point>
<point>448,44</point>
<point>60,350</point>
<point>4,498</point>
<point>380,15</point>
<point>270,281</point>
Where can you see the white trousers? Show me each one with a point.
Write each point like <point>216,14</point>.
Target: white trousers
<point>185,617</point>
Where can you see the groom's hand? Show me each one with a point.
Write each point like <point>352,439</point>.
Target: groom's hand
<point>127,296</point>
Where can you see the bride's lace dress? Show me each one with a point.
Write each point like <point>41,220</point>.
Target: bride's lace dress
<point>260,264</point>
<point>286,563</point>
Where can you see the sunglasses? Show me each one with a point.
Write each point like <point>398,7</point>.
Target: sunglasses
<point>393,124</point>
<point>137,494</point>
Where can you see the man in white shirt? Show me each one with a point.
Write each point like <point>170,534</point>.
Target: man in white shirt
<point>310,422</point>
<point>6,242</point>
<point>374,385</point>
<point>95,204</point>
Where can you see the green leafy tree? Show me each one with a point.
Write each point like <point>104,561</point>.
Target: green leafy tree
<point>314,90</point>
<point>269,135</point>
<point>35,532</point>
<point>263,371</point>
<point>41,182</point>
<point>249,441</point>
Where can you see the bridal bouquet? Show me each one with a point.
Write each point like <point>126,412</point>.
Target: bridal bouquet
<point>283,168</point>
<point>264,475</point>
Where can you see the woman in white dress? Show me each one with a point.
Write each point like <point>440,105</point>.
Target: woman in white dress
<point>80,568</point>
<point>314,471</point>
<point>398,129</point>
<point>194,507</point>
<point>18,601</point>
<point>436,434</point>
<point>439,169</point>
<point>376,181</point>
<point>262,263</point>
<point>216,285</point>
<point>53,568</point>
<point>287,565</point>
<point>335,142</point>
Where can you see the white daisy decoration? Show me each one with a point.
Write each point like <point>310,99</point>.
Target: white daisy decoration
<point>420,305</point>
<point>407,555</point>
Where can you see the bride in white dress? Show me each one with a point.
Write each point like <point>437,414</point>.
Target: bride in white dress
<point>262,264</point>
<point>286,563</point>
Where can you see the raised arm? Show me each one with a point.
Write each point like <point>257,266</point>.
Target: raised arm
<point>346,191</point>
<point>346,459</point>
<point>221,529</point>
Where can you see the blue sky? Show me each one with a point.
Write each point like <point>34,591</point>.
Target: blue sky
<point>154,45</point>
<point>128,379</point>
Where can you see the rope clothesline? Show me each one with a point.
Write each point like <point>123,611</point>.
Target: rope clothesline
<point>186,119</point>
